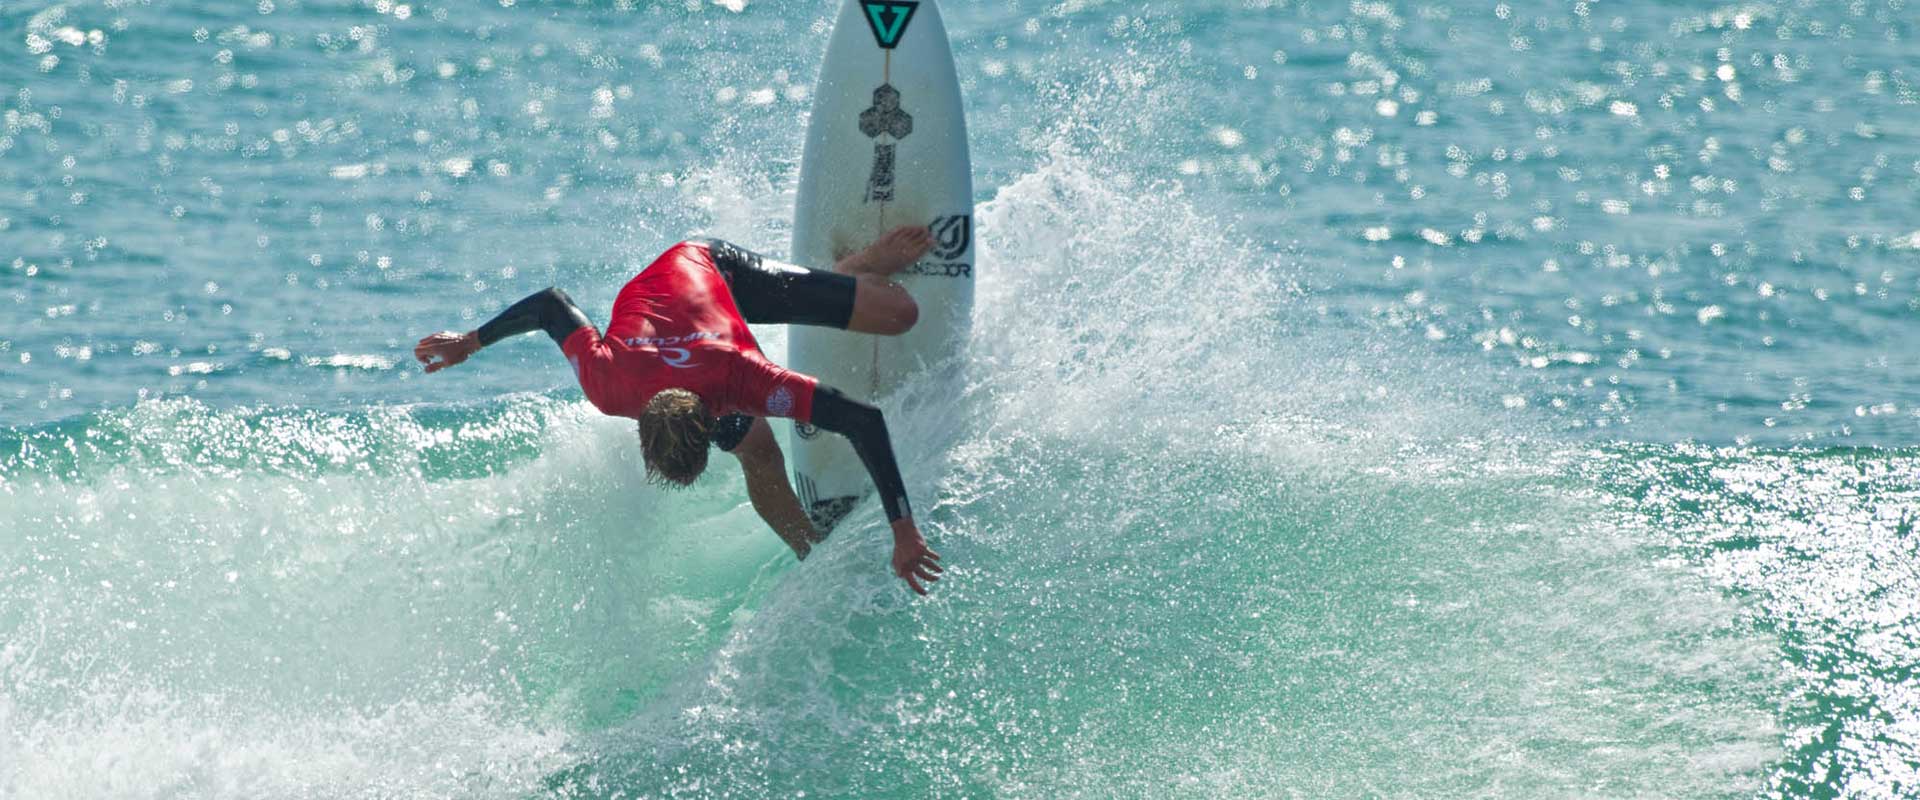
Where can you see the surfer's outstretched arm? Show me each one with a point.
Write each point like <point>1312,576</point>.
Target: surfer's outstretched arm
<point>866,429</point>
<point>550,310</point>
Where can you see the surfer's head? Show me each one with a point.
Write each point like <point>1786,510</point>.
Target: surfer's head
<point>674,431</point>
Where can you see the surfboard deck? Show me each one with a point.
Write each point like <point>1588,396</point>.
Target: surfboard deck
<point>886,146</point>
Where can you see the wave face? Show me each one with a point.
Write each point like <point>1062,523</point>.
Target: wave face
<point>1308,445</point>
<point>1161,583</point>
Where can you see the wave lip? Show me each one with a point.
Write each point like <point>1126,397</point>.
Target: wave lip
<point>1163,583</point>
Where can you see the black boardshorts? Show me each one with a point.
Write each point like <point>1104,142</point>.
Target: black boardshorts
<point>770,292</point>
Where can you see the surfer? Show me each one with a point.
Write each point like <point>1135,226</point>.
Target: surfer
<point>678,357</point>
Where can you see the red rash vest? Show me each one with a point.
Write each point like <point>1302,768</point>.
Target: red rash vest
<point>675,326</point>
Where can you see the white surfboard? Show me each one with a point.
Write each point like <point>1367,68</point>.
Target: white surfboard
<point>886,146</point>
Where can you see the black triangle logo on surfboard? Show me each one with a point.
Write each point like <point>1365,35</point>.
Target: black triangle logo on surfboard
<point>888,19</point>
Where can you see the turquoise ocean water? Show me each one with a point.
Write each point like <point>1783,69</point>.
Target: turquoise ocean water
<point>1403,399</point>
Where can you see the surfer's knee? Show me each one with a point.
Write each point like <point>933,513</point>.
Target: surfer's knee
<point>899,312</point>
<point>882,307</point>
<point>907,314</point>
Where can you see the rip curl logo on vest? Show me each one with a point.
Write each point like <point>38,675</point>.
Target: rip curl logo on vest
<point>657,341</point>
<point>780,402</point>
<point>676,357</point>
<point>888,19</point>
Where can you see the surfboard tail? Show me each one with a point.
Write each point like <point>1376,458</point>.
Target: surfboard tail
<point>825,512</point>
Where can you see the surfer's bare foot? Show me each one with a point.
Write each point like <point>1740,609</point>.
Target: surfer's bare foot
<point>896,250</point>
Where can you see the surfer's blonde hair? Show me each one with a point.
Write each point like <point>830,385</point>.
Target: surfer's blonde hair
<point>674,432</point>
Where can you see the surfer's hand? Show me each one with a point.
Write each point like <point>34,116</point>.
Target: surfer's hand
<point>445,349</point>
<point>913,561</point>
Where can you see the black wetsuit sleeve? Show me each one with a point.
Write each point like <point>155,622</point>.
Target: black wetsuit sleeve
<point>863,426</point>
<point>550,310</point>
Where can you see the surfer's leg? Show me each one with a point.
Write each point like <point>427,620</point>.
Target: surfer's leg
<point>880,305</point>
<point>883,307</point>
<point>771,292</point>
<point>767,486</point>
